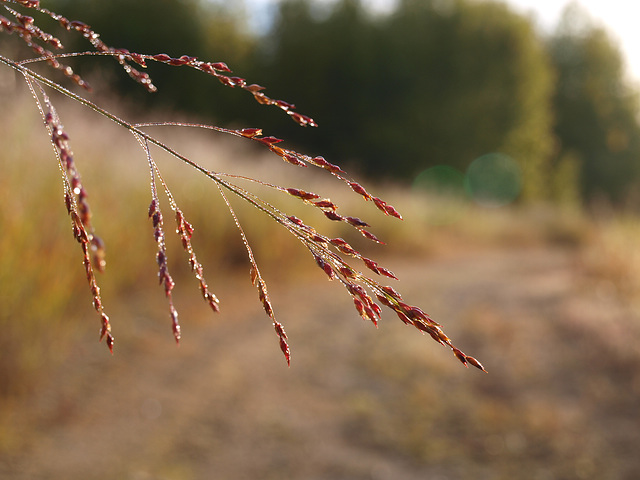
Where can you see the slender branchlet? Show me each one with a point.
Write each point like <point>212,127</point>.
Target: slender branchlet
<point>75,199</point>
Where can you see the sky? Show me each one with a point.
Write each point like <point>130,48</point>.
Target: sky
<point>620,17</point>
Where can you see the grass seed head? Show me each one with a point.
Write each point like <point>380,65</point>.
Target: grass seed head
<point>327,252</point>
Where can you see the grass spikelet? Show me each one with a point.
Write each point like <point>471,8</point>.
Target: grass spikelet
<point>75,200</point>
<point>164,276</point>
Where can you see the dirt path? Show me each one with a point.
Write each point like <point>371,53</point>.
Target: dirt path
<point>560,400</point>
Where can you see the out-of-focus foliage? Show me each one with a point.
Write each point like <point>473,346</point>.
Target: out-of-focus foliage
<point>487,90</point>
<point>434,82</point>
<point>596,112</point>
<point>207,30</point>
<point>447,81</point>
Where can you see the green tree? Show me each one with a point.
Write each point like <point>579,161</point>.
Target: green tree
<point>596,110</point>
<point>436,82</point>
<point>325,65</point>
<point>205,29</point>
<point>472,78</point>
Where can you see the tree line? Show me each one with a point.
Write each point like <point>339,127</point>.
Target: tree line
<point>434,82</point>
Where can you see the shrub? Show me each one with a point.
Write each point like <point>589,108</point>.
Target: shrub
<point>334,256</point>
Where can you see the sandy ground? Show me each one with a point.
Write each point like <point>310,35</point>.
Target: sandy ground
<point>560,399</point>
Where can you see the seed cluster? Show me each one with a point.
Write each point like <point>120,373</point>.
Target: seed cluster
<point>75,198</point>
<point>185,230</point>
<point>331,255</point>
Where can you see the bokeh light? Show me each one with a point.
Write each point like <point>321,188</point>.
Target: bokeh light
<point>493,180</point>
<point>441,180</point>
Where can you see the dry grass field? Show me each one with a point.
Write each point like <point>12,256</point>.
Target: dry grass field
<point>560,399</point>
<point>548,303</point>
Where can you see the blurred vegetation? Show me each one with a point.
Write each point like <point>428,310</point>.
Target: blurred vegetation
<point>175,27</point>
<point>434,82</point>
<point>596,112</point>
<point>47,303</point>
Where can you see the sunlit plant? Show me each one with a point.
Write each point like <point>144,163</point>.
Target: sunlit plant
<point>334,256</point>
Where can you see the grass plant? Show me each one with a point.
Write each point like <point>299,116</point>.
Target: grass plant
<point>360,276</point>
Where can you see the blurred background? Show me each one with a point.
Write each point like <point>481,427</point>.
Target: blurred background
<point>510,143</point>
